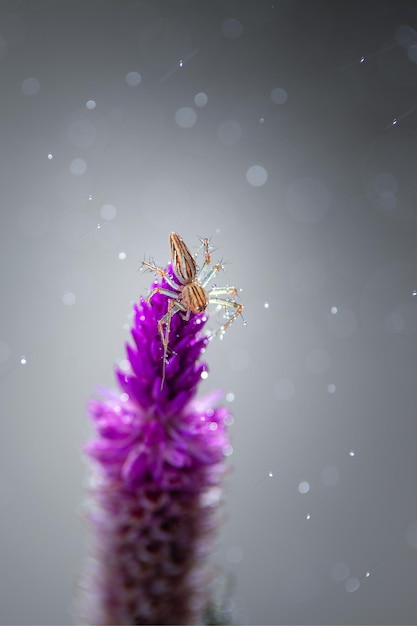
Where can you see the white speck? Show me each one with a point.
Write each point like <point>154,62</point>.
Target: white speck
<point>185,117</point>
<point>333,310</point>
<point>279,95</point>
<point>68,298</point>
<point>98,226</point>
<point>204,374</point>
<point>23,360</point>
<point>266,305</point>
<point>256,175</point>
<point>133,79</point>
<point>331,388</point>
<point>414,292</point>
<point>78,166</point>
<point>124,365</point>
<point>270,474</point>
<point>367,574</point>
<point>230,397</point>
<point>30,86</point>
<point>90,197</point>
<point>50,156</point>
<point>200,99</point>
<point>180,64</point>
<point>108,212</point>
<point>304,487</point>
<point>351,453</point>
<point>352,584</point>
<point>394,121</point>
<point>122,256</point>
<point>308,516</point>
<point>261,120</point>
<point>362,60</point>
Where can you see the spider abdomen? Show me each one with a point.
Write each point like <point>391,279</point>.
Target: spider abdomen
<point>194,297</point>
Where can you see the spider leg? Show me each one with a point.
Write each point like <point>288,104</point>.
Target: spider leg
<point>222,291</point>
<point>173,307</point>
<point>206,277</point>
<point>165,292</point>
<point>227,303</point>
<point>161,272</point>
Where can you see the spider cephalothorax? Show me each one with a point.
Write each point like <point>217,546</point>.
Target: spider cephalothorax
<point>190,295</point>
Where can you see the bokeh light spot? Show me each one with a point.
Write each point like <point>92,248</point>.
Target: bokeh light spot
<point>352,584</point>
<point>340,571</point>
<point>185,117</point>
<point>331,388</point>
<point>122,256</point>
<point>279,95</point>
<point>78,166</point>
<point>304,487</point>
<point>200,99</point>
<point>256,175</point>
<point>68,298</point>
<point>231,28</point>
<point>108,212</point>
<point>133,79</point>
<point>31,86</point>
<point>90,104</point>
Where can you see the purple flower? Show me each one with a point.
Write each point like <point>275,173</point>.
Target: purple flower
<point>158,458</point>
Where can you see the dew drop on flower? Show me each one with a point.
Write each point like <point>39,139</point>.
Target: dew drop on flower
<point>304,487</point>
<point>204,374</point>
<point>230,397</point>
<point>333,310</point>
<point>122,256</point>
<point>23,360</point>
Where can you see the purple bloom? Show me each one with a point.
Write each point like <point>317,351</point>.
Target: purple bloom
<point>158,458</point>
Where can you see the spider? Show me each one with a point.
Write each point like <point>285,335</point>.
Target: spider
<point>191,295</point>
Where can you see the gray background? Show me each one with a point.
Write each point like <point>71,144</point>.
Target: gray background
<point>292,163</point>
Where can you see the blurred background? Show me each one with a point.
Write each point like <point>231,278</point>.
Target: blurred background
<point>287,132</point>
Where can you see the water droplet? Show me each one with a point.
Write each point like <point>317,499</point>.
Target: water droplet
<point>230,397</point>
<point>304,487</point>
<point>394,121</point>
<point>333,310</point>
<point>266,305</point>
<point>122,256</point>
<point>50,156</point>
<point>351,453</point>
<point>98,226</point>
<point>90,197</point>
<point>90,104</point>
<point>23,360</point>
<point>414,292</point>
<point>204,374</point>
<point>362,60</point>
<point>270,474</point>
<point>308,516</point>
<point>367,573</point>
<point>180,63</point>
